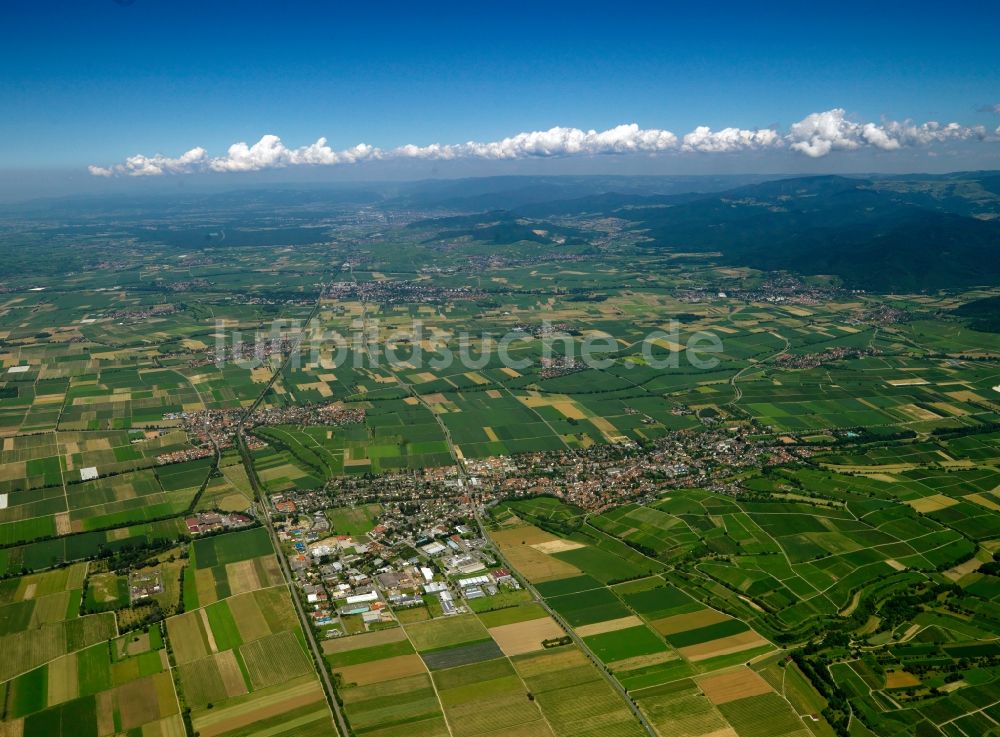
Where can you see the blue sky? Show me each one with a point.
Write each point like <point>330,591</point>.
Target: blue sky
<point>94,81</point>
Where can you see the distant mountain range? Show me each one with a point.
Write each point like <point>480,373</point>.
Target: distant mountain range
<point>878,233</point>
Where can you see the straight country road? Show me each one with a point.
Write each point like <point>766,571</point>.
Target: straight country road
<point>265,515</point>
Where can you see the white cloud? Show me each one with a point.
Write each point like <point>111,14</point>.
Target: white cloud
<point>553,142</point>
<point>146,166</point>
<point>921,135</point>
<point>728,140</point>
<point>820,133</point>
<point>816,135</point>
<point>270,153</point>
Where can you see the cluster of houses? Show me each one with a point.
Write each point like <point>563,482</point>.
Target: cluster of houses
<point>353,584</point>
<point>144,583</point>
<point>205,522</point>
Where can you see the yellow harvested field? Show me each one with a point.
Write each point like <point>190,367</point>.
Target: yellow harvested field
<point>523,535</point>
<point>166,696</point>
<point>918,413</point>
<point>106,712</point>
<point>684,622</point>
<point>965,396</point>
<point>611,625</point>
<point>138,702</point>
<point>207,629</point>
<point>900,679</point>
<point>50,609</point>
<point>668,344</point>
<point>642,661</point>
<point>914,381</point>
<point>13,728</point>
<point>224,719</point>
<point>260,375</point>
<point>528,729</point>
<point>949,409</point>
<point>13,471</point>
<point>63,682</point>
<point>723,646</point>
<point>232,676</point>
<point>737,684</point>
<point>187,638</point>
<point>248,617</point>
<point>232,503</point>
<point>517,545</point>
<point>242,576</point>
<point>723,732</point>
<point>204,582</point>
<point>963,569</point>
<point>612,433</point>
<point>984,500</point>
<point>525,637</point>
<point>550,661</point>
<point>932,503</point>
<point>368,639</point>
<point>557,546</point>
<point>570,410</point>
<point>883,477</point>
<point>171,726</point>
<point>382,670</point>
<point>510,372</point>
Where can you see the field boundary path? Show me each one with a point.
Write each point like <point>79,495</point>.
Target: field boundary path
<point>735,378</point>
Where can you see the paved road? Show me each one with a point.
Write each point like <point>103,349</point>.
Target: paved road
<point>286,571</point>
<point>317,651</point>
<point>737,391</point>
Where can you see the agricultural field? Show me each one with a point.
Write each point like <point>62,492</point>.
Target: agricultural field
<point>800,539</point>
<point>472,675</point>
<point>731,600</point>
<point>238,650</point>
<point>69,672</point>
<point>645,631</point>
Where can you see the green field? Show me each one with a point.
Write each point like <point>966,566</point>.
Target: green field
<point>231,547</point>
<point>822,502</point>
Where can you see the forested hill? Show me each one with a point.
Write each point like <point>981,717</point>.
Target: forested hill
<point>881,234</point>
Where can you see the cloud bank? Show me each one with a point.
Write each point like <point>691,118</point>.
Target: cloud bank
<point>815,136</point>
